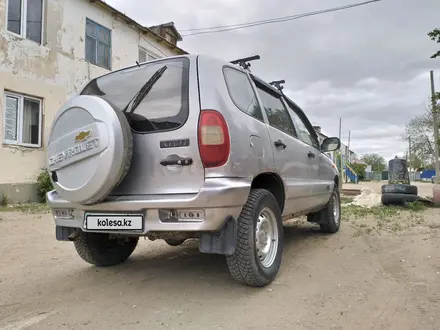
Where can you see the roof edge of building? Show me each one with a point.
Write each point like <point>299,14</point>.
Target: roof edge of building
<point>145,29</point>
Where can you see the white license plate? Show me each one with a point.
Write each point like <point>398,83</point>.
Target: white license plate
<point>113,222</point>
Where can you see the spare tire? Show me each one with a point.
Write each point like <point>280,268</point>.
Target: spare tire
<point>89,149</point>
<point>399,189</point>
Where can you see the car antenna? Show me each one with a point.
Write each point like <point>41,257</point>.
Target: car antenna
<point>277,84</point>
<point>137,63</point>
<point>244,62</point>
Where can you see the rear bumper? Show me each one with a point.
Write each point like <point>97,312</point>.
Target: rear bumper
<point>219,199</point>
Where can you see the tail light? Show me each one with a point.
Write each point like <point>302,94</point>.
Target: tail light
<point>214,142</point>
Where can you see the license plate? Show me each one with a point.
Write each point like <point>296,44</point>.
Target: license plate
<point>113,222</point>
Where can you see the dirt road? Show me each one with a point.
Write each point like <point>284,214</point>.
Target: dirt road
<point>370,275</point>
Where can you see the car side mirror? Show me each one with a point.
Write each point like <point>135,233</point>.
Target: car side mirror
<point>330,144</point>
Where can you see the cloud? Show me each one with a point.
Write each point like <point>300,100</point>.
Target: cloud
<point>368,65</point>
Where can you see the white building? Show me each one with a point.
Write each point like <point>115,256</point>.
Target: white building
<point>48,50</point>
<point>347,155</point>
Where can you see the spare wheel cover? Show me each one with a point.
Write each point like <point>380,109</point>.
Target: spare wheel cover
<point>89,149</point>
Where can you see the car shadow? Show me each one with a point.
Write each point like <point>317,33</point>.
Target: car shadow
<point>157,267</point>
<point>187,264</point>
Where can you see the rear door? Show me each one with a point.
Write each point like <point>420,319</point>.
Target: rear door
<point>164,126</point>
<point>292,162</point>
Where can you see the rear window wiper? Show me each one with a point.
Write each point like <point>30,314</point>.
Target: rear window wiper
<point>145,89</point>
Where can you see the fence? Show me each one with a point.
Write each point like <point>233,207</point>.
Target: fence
<point>383,176</point>
<point>373,176</point>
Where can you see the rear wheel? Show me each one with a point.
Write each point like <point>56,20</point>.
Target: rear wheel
<point>104,249</point>
<point>332,214</point>
<point>329,218</point>
<point>259,248</point>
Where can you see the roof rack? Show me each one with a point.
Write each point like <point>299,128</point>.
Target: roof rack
<point>277,84</point>
<point>243,62</point>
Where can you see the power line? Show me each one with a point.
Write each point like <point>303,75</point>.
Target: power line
<point>223,28</point>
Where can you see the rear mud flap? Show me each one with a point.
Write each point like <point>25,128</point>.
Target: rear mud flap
<point>222,242</point>
<point>64,233</point>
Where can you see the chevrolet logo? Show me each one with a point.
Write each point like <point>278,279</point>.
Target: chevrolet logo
<point>81,136</point>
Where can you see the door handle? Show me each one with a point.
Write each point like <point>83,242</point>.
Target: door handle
<point>280,144</point>
<point>176,161</point>
<point>311,154</point>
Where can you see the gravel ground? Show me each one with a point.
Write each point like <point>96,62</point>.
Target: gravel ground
<point>381,271</point>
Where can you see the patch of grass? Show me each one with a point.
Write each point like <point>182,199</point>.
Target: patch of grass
<point>386,218</point>
<point>416,206</point>
<point>32,208</point>
<point>346,199</point>
<point>4,201</point>
<point>356,211</point>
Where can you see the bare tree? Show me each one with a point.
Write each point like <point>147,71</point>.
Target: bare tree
<point>419,131</point>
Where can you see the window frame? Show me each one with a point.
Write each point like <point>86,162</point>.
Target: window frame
<point>227,67</point>
<point>291,106</point>
<point>153,56</point>
<point>23,21</point>
<point>142,50</point>
<point>260,85</point>
<point>110,45</point>
<point>147,55</point>
<point>185,93</point>
<point>18,142</point>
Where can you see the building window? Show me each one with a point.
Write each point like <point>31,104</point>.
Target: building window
<point>98,44</point>
<point>22,120</point>
<point>170,38</point>
<point>144,56</point>
<point>25,18</point>
<point>151,57</point>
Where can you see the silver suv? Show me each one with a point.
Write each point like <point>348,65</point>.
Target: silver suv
<point>188,147</point>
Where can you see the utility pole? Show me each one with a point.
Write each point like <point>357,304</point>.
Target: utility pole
<point>349,154</point>
<point>435,120</point>
<point>340,154</point>
<point>409,152</point>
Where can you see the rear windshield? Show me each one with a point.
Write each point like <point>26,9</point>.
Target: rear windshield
<point>165,107</point>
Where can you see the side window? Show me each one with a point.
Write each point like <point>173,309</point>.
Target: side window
<point>276,112</point>
<point>241,92</point>
<point>303,133</point>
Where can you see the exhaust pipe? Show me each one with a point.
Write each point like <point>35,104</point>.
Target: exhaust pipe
<point>74,235</point>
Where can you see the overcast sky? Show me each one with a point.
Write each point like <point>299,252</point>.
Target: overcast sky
<point>368,65</point>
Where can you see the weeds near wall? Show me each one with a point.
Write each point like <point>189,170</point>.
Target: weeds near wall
<point>44,185</point>
<point>4,201</point>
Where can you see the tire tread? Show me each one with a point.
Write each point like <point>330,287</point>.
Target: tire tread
<point>242,263</point>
